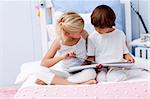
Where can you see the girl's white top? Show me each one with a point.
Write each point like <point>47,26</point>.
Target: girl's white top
<point>108,47</point>
<point>79,49</point>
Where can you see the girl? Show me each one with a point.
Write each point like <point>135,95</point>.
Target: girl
<point>69,45</point>
<point>107,44</point>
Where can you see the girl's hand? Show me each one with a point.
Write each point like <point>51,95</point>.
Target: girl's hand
<point>129,58</point>
<point>69,54</point>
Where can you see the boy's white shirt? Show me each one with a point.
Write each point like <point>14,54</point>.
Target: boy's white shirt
<point>108,47</point>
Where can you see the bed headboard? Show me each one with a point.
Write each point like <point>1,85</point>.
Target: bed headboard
<point>84,8</point>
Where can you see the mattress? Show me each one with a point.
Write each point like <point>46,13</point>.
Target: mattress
<point>121,90</point>
<point>8,92</point>
<point>137,86</point>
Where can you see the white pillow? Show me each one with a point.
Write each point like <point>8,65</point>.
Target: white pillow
<point>26,70</point>
<point>51,34</point>
<point>86,17</point>
<point>30,68</point>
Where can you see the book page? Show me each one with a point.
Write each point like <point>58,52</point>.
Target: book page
<point>113,64</point>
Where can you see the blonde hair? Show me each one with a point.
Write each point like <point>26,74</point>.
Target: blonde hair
<point>70,22</point>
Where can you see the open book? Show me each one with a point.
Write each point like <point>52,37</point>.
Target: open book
<point>113,64</point>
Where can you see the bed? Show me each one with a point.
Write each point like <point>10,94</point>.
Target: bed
<point>8,92</point>
<point>136,87</point>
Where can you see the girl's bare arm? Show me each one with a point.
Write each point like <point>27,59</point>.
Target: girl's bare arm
<point>50,59</point>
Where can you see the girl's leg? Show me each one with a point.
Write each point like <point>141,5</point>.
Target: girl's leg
<point>83,76</point>
<point>61,81</point>
<point>47,77</point>
<point>57,80</point>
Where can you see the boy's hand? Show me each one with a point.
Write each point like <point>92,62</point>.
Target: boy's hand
<point>90,60</point>
<point>129,58</point>
<point>86,63</point>
<point>69,54</point>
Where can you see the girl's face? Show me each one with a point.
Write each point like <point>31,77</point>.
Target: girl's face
<point>74,35</point>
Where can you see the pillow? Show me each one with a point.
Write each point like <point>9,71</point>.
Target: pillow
<point>27,69</point>
<point>51,34</point>
<point>87,6</point>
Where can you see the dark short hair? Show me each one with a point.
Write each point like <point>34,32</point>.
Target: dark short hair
<point>103,17</point>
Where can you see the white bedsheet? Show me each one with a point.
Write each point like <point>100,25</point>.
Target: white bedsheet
<point>29,68</point>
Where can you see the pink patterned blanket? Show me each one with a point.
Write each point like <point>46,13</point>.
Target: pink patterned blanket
<point>7,92</point>
<point>123,90</point>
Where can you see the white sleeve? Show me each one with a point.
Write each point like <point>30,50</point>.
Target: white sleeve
<point>125,48</point>
<point>91,47</point>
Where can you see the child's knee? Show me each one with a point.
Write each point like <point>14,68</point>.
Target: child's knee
<point>101,77</point>
<point>91,73</point>
<point>116,75</point>
<point>44,78</point>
